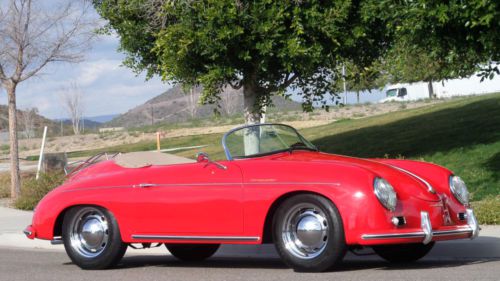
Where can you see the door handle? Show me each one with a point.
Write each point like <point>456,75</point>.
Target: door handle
<point>145,185</point>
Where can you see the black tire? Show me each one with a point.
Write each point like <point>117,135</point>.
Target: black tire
<point>192,252</point>
<point>317,249</point>
<point>401,253</point>
<point>108,247</point>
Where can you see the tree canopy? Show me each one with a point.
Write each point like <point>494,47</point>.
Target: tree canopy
<point>436,40</point>
<point>263,46</point>
<point>266,46</point>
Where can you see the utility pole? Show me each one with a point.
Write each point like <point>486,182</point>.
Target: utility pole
<point>152,116</point>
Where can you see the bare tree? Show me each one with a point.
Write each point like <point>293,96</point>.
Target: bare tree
<point>33,36</point>
<point>72,102</point>
<point>29,116</point>
<point>230,100</point>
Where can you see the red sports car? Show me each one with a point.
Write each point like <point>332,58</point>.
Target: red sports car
<point>274,187</point>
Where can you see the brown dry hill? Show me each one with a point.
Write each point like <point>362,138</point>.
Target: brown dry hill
<point>173,107</point>
<point>39,121</point>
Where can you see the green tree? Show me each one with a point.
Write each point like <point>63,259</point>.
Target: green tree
<point>262,46</point>
<point>408,64</point>
<point>359,79</point>
<point>437,40</point>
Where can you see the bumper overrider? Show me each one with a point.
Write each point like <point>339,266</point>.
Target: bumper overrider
<point>427,234</point>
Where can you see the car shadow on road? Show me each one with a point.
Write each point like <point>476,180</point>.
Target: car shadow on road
<point>354,265</point>
<point>276,263</point>
<point>348,264</point>
<point>214,262</point>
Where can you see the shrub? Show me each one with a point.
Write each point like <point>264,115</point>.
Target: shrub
<point>5,182</point>
<point>488,210</point>
<point>4,185</point>
<point>32,190</point>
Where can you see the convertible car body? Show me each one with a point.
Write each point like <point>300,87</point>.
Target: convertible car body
<point>274,187</point>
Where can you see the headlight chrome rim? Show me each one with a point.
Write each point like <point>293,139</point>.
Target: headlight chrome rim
<point>459,190</point>
<point>385,193</point>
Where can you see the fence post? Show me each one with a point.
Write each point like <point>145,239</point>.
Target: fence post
<point>158,141</point>
<point>40,158</point>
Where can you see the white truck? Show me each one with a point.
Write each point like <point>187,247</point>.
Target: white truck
<point>442,89</point>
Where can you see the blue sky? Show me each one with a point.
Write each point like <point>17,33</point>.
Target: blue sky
<point>107,87</point>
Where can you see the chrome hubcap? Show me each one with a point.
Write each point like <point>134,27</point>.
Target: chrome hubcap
<point>305,231</point>
<point>89,232</point>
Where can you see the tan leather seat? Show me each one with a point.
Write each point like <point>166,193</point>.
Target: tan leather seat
<point>148,158</point>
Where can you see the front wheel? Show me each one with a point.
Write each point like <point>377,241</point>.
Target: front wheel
<point>308,233</point>
<point>92,238</point>
<point>192,252</point>
<point>400,253</point>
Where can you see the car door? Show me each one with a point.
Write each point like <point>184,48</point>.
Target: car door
<point>190,199</point>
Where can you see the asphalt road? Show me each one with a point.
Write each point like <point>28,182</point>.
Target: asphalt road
<point>447,261</point>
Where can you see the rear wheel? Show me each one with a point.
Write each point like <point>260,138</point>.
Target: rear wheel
<point>192,252</point>
<point>308,233</point>
<point>92,238</point>
<point>400,253</point>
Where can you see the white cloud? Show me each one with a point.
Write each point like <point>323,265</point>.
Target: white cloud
<point>107,86</point>
<point>92,71</point>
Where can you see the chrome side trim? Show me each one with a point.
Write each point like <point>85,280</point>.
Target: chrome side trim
<point>203,184</point>
<point>428,185</point>
<point>199,238</point>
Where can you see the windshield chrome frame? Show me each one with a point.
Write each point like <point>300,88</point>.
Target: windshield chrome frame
<point>226,150</point>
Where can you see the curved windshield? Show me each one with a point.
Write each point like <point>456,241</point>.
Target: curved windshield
<point>263,139</point>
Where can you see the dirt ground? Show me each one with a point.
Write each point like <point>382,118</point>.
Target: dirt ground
<point>298,120</point>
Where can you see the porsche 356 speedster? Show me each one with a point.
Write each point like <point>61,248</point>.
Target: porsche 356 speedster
<point>274,187</point>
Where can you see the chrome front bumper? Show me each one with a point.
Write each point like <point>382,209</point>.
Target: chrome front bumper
<point>427,234</point>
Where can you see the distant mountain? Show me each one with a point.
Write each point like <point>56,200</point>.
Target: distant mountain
<point>87,123</point>
<point>101,118</point>
<point>175,105</point>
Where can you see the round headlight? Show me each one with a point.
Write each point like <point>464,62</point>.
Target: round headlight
<point>459,189</point>
<point>385,193</point>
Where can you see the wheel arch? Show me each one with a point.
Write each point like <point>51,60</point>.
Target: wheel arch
<point>57,229</point>
<point>267,235</point>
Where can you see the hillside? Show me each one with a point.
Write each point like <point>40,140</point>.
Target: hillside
<point>173,106</point>
<point>38,121</point>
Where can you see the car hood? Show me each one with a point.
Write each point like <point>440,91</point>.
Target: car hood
<point>404,182</point>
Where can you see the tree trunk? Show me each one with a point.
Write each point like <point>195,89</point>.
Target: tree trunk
<point>15,188</point>
<point>251,112</point>
<point>431,89</point>
<point>357,97</point>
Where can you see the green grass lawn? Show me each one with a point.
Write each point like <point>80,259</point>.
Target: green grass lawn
<point>461,134</point>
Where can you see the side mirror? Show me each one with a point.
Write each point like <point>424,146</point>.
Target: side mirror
<point>202,157</point>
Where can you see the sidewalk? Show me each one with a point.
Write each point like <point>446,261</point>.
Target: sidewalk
<point>486,246</point>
